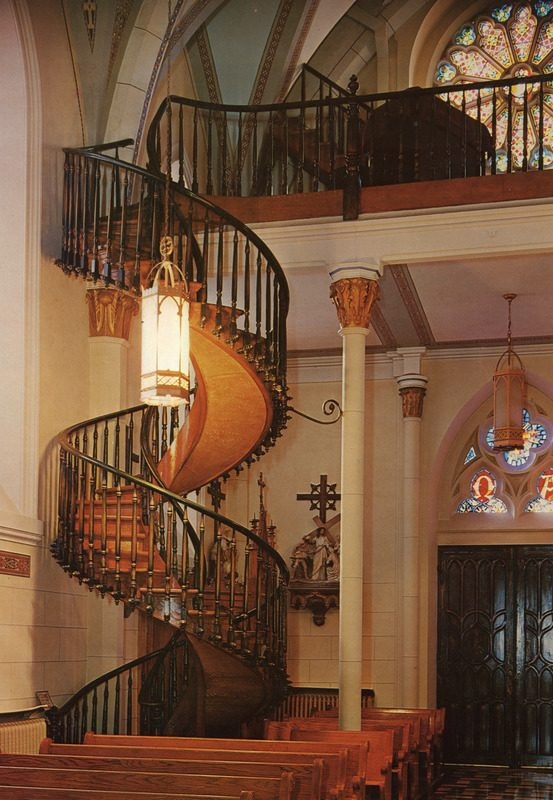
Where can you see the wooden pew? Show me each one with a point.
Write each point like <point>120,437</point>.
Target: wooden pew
<point>205,786</point>
<point>385,748</point>
<point>342,765</point>
<point>309,777</point>
<point>374,754</point>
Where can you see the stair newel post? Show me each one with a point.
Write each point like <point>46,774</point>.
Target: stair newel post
<point>351,194</point>
<point>134,546</point>
<point>232,592</point>
<point>118,493</point>
<point>117,705</point>
<point>201,579</point>
<point>234,290</point>
<point>105,709</point>
<point>94,713</point>
<point>151,545</point>
<point>129,703</point>
<point>219,279</point>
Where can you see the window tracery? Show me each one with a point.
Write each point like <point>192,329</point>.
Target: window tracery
<point>513,483</point>
<point>512,40</point>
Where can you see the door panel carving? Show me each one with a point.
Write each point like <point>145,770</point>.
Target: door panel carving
<point>495,654</point>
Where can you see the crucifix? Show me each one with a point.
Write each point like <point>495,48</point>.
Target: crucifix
<point>216,493</point>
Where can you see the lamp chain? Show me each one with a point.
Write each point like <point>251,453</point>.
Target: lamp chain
<point>168,101</point>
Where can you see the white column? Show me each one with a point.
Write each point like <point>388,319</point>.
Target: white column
<point>353,290</point>
<point>412,388</point>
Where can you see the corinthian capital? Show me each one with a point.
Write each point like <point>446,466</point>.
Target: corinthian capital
<point>110,312</point>
<point>354,298</point>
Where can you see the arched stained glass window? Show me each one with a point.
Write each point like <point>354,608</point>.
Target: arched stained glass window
<point>543,503</point>
<point>512,40</point>
<point>482,500</point>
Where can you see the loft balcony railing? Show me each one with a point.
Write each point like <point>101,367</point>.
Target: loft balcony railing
<point>341,140</point>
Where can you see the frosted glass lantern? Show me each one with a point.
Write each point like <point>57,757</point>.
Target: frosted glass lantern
<point>164,370</point>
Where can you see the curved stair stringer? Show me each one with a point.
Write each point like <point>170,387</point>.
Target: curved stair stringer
<point>229,418</point>
<point>223,692</point>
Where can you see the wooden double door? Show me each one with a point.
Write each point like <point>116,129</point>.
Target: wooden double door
<point>495,654</point>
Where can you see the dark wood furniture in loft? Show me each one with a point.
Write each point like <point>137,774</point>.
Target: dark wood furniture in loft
<point>412,137</point>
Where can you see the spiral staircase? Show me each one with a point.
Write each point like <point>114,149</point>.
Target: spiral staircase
<point>128,525</point>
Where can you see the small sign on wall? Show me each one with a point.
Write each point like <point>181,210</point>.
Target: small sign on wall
<point>15,564</point>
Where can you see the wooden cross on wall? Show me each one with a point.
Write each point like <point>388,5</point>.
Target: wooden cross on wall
<point>323,498</point>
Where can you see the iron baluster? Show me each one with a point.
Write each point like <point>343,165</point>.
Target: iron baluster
<point>181,147</point>
<point>464,139</point>
<point>75,731</point>
<point>85,217</point>
<point>105,709</point>
<point>163,431</point>
<point>139,213</point>
<point>268,319</point>
<point>218,569</point>
<point>117,594</point>
<point>94,715</point>
<point>224,166</point>
<point>184,569</point>
<point>301,165</point>
<point>317,154</point>
<point>350,208</point>
<point>194,152</point>
<point>255,187</point>
<point>205,270</point>
<point>151,545</point>
<point>246,346</point>
<point>494,132</point>
<point>244,624</point>
<point>258,307</point>
<point>525,129</point>
<point>201,580</point>
<point>209,166</point>
<point>237,180</point>
<point>332,144</point>
<point>134,546</point>
<point>234,290</point>
<point>510,130</point>
<point>219,278</point>
<point>104,532</point>
<point>129,726</point>
<point>117,705</point>
<point>84,720</point>
<point>540,127</point>
<point>232,592</point>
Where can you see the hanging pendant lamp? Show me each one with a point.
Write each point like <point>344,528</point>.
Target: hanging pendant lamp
<point>165,333</point>
<point>509,396</point>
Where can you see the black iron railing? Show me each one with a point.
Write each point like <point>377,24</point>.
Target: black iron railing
<point>342,140</point>
<point>113,217</point>
<point>125,535</point>
<point>135,698</point>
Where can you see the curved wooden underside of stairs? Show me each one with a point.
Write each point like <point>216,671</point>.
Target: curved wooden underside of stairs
<point>230,415</point>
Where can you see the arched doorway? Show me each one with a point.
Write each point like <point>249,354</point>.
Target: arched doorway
<point>495,595</point>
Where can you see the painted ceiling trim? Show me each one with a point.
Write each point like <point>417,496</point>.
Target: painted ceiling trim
<point>300,42</point>
<point>381,327</point>
<point>270,51</point>
<point>171,37</point>
<point>411,300</point>
<point>208,65</point>
<point>122,11</point>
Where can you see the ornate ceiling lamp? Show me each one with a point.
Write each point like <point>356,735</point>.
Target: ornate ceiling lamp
<point>509,395</point>
<point>165,311</point>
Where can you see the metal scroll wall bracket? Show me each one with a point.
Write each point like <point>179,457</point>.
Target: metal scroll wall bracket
<point>329,408</point>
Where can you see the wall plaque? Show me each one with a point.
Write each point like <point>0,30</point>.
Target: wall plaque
<point>15,564</point>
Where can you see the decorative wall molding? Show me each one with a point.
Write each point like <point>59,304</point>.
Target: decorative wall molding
<point>20,529</point>
<point>17,564</point>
